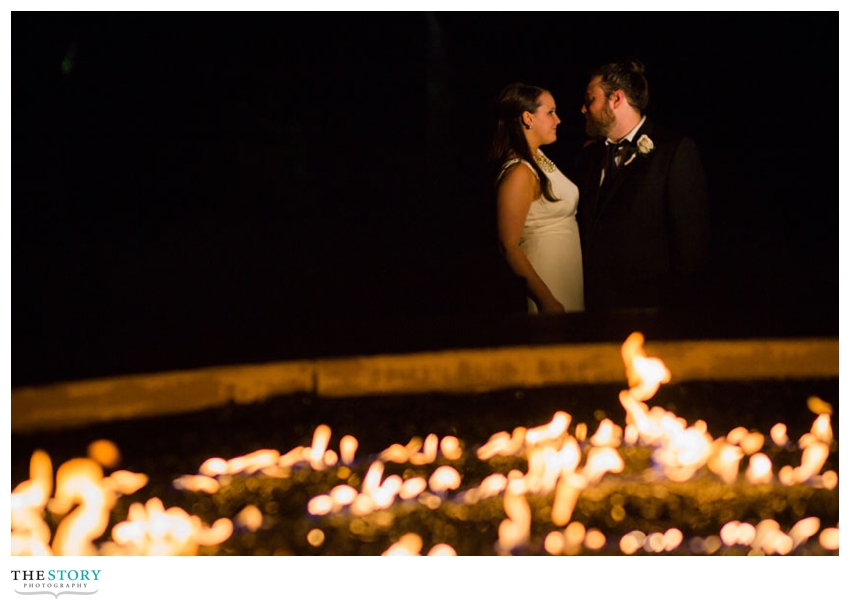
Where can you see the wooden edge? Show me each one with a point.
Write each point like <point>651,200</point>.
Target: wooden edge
<point>70,404</point>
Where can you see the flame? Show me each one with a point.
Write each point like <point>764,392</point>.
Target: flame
<point>428,453</point>
<point>78,483</point>
<point>442,550</point>
<point>362,505</point>
<point>125,482</point>
<point>594,539</point>
<point>779,434</point>
<point>491,486</point>
<point>410,544</point>
<point>514,531</point>
<point>566,496</point>
<point>736,532</point>
<point>292,457</point>
<point>395,453</point>
<point>546,464</point>
<point>214,466</point>
<point>672,539</point>
<point>822,428</point>
<point>631,435</point>
<point>348,449</point>
<point>343,495</point>
<point>554,543</point>
<point>30,533</point>
<point>736,435</point>
<point>451,448</point>
<point>412,487</point>
<point>249,518</point>
<point>829,479</point>
<point>769,539</point>
<point>786,475</point>
<point>644,374</point>
<point>632,542</point>
<point>253,462</point>
<point>84,497</point>
<point>105,453</point>
<point>444,478</point>
<point>803,530</point>
<point>725,460</point>
<point>196,482</point>
<point>321,438</point>
<point>320,505</point>
<point>372,480</point>
<point>813,459</point>
<point>384,495</point>
<point>601,460</point>
<point>574,535</point>
<point>654,542</point>
<point>503,444</point>
<point>818,406</point>
<point>750,442</point>
<point>829,538</point>
<point>150,529</point>
<point>680,451</point>
<point>581,431</point>
<point>607,435</point>
<point>759,469</point>
<point>34,492</point>
<point>555,428</point>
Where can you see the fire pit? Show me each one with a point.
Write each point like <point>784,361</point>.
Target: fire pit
<point>644,466</point>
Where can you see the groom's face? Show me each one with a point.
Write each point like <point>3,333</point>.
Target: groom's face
<point>598,115</point>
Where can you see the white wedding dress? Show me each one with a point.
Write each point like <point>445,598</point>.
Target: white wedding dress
<point>550,241</point>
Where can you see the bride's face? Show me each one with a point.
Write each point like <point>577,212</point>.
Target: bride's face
<point>543,122</point>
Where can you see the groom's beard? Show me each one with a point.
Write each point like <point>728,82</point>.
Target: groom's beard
<point>601,126</point>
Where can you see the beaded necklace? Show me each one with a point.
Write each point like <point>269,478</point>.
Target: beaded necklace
<point>543,162</point>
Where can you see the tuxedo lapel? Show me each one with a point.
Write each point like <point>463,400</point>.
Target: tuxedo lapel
<point>608,189</point>
<point>627,170</point>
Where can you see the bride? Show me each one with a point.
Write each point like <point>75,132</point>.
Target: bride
<point>536,203</point>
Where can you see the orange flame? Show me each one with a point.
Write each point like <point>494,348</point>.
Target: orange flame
<point>410,544</point>
<point>348,449</point>
<point>444,478</point>
<point>759,469</point>
<point>553,466</point>
<point>321,438</point>
<point>514,531</point>
<point>644,374</point>
<point>428,453</point>
<point>150,529</point>
<point>725,460</point>
<point>78,482</point>
<point>555,428</point>
<point>30,533</point>
<point>607,435</point>
<point>451,448</point>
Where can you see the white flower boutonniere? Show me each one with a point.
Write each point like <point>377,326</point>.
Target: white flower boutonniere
<point>644,147</point>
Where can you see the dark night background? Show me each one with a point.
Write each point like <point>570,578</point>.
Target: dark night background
<point>217,188</point>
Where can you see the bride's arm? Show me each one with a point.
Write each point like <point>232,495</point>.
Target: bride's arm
<point>517,189</point>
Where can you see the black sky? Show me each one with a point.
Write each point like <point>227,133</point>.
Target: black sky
<point>189,179</point>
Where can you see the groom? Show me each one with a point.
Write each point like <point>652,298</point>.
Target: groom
<point>643,208</point>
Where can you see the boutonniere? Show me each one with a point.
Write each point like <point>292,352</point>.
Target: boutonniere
<point>644,147</point>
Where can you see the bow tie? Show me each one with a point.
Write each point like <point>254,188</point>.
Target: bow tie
<point>612,149</point>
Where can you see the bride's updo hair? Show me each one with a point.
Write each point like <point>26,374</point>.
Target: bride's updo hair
<point>628,76</point>
<point>509,137</point>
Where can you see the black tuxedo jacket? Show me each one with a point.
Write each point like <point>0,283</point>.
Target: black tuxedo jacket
<point>646,232</point>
